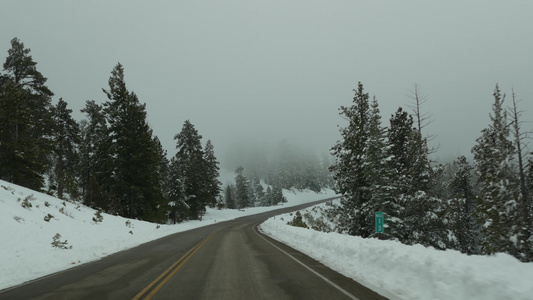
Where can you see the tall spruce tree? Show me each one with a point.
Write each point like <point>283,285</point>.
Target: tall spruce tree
<point>96,160</point>
<point>66,140</point>
<point>26,124</point>
<point>242,198</point>
<point>524,228</point>
<point>230,196</point>
<point>497,205</point>
<point>277,195</point>
<point>178,208</point>
<point>163,168</point>
<point>413,212</point>
<point>191,168</point>
<point>377,170</point>
<point>136,161</point>
<point>212,173</point>
<point>460,208</point>
<point>349,170</point>
<point>258,190</point>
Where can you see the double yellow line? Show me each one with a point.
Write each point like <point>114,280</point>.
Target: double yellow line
<point>163,278</point>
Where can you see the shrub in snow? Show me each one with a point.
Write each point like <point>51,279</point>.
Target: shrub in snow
<point>26,202</point>
<point>57,243</point>
<point>66,213</point>
<point>297,221</point>
<point>98,216</point>
<point>48,217</point>
<point>317,223</point>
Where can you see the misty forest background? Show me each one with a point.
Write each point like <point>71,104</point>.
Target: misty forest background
<point>112,161</point>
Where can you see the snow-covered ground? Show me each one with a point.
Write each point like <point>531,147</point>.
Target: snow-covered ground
<point>26,250</point>
<point>390,268</point>
<point>399,271</point>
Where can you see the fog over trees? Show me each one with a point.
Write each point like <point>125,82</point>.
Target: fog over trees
<point>112,161</point>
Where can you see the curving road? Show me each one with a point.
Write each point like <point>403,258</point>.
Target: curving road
<point>229,260</point>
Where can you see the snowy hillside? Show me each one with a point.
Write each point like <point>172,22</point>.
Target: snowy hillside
<point>399,271</point>
<point>30,221</point>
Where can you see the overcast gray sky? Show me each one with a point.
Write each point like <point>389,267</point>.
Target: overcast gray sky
<point>272,70</point>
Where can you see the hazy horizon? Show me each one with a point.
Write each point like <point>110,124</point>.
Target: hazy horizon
<point>280,70</point>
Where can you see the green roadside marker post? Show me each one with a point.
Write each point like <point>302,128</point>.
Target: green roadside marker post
<point>379,222</point>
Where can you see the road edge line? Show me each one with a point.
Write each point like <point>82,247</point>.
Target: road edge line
<point>345,292</point>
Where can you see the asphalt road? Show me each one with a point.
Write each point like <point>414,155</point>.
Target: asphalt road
<point>228,260</point>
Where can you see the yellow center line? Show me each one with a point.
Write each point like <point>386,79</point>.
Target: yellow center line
<point>171,271</point>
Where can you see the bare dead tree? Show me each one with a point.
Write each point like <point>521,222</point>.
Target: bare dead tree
<point>422,119</point>
<point>519,138</point>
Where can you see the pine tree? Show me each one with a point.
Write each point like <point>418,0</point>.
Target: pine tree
<point>252,197</point>
<point>497,205</point>
<point>529,186</point>
<point>26,123</point>
<point>66,138</point>
<point>191,168</point>
<point>96,160</point>
<point>349,171</point>
<point>241,189</point>
<point>524,228</point>
<point>268,201</point>
<point>258,191</point>
<point>163,167</point>
<point>178,208</point>
<point>377,171</point>
<point>413,212</point>
<point>460,208</point>
<point>212,174</point>
<point>277,195</point>
<point>230,196</point>
<point>136,160</point>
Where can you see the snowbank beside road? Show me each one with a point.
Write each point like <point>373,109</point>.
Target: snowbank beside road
<point>399,271</point>
<point>27,233</point>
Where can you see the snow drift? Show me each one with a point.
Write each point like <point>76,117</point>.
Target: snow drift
<point>399,271</point>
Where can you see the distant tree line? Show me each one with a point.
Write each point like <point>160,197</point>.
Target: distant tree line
<point>251,193</point>
<point>111,160</point>
<point>285,166</point>
<point>482,208</point>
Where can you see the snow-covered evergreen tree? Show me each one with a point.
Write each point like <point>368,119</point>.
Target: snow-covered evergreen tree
<point>258,191</point>
<point>377,170</point>
<point>413,212</point>
<point>268,200</point>
<point>178,207</point>
<point>212,173</point>
<point>350,169</point>
<point>277,195</point>
<point>497,205</point>
<point>191,169</point>
<point>460,207</point>
<point>524,222</point>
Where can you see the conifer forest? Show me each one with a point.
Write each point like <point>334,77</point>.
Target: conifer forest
<point>112,161</point>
